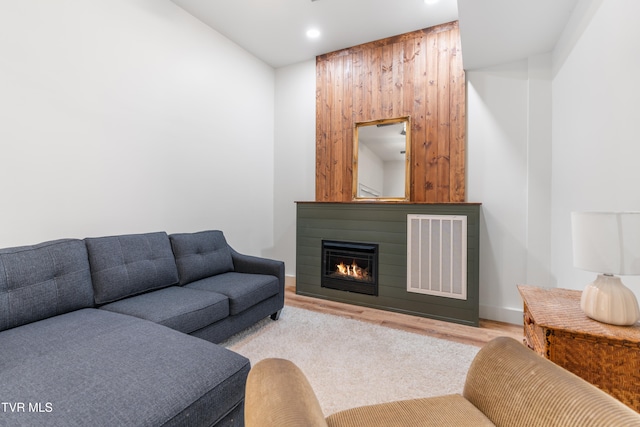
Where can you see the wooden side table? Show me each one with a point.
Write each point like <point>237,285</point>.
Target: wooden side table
<point>605,355</point>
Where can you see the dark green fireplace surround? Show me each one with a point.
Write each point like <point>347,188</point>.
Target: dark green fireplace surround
<point>386,225</point>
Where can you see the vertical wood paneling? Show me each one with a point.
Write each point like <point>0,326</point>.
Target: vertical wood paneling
<point>323,83</point>
<point>335,160</point>
<point>411,48</point>
<point>386,81</point>
<point>397,101</point>
<point>368,82</point>
<point>444,119</point>
<point>417,74</point>
<point>458,116</point>
<point>419,143</point>
<point>347,92</point>
<point>430,172</point>
<point>346,164</point>
<point>375,80</point>
<point>358,87</point>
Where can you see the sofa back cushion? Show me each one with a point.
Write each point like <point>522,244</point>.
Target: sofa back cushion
<point>131,264</point>
<point>202,254</point>
<point>43,280</point>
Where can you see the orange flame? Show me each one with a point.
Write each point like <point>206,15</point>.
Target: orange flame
<point>353,270</point>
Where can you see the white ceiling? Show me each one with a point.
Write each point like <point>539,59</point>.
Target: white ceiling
<point>500,31</point>
<point>492,31</point>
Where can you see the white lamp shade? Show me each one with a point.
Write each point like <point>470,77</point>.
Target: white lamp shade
<point>606,242</point>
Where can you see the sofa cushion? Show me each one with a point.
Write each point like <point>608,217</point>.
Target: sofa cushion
<point>127,265</point>
<point>202,254</point>
<point>243,290</point>
<point>43,280</point>
<point>98,368</point>
<point>185,310</point>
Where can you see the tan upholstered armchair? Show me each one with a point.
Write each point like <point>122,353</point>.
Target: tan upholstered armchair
<point>507,385</point>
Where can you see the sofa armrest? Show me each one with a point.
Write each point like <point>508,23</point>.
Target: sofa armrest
<point>514,386</point>
<point>256,265</point>
<point>279,395</point>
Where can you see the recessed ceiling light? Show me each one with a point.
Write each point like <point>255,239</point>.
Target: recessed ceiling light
<point>431,1</point>
<point>313,33</point>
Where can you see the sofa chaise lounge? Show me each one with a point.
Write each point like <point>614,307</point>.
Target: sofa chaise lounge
<point>121,330</point>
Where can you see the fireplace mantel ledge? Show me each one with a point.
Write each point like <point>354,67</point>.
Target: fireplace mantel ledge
<point>388,202</point>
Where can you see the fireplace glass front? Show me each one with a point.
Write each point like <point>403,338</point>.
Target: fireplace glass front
<point>350,266</point>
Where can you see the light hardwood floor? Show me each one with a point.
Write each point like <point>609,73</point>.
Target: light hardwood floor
<point>450,331</point>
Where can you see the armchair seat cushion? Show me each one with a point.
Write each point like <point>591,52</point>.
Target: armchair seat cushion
<point>444,411</point>
<point>185,310</point>
<point>244,290</point>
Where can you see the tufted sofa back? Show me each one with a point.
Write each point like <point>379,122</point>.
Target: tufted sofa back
<point>43,280</point>
<point>202,254</point>
<point>131,264</point>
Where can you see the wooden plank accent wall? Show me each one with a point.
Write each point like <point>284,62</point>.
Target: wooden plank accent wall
<point>386,225</point>
<point>417,74</point>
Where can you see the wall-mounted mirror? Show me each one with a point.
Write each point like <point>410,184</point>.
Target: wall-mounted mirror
<point>381,163</point>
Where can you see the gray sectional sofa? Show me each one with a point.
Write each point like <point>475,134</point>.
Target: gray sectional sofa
<point>121,330</point>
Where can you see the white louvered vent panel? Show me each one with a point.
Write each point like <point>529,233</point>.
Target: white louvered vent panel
<point>437,255</point>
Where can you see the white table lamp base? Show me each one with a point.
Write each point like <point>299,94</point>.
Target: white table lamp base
<point>607,300</point>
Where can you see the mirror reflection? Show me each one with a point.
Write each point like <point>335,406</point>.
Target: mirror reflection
<point>381,159</point>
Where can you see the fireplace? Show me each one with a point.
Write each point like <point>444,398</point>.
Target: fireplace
<point>350,266</point>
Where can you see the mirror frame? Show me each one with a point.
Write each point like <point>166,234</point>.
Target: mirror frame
<point>407,158</point>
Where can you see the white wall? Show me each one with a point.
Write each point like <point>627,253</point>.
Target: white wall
<point>370,171</point>
<point>507,131</point>
<point>127,116</point>
<point>394,178</point>
<point>295,154</point>
<point>596,143</point>
<point>549,135</point>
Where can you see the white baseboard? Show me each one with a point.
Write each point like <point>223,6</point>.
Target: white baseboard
<point>290,281</point>
<point>501,314</point>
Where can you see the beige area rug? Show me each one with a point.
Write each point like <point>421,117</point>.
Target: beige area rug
<point>353,363</point>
